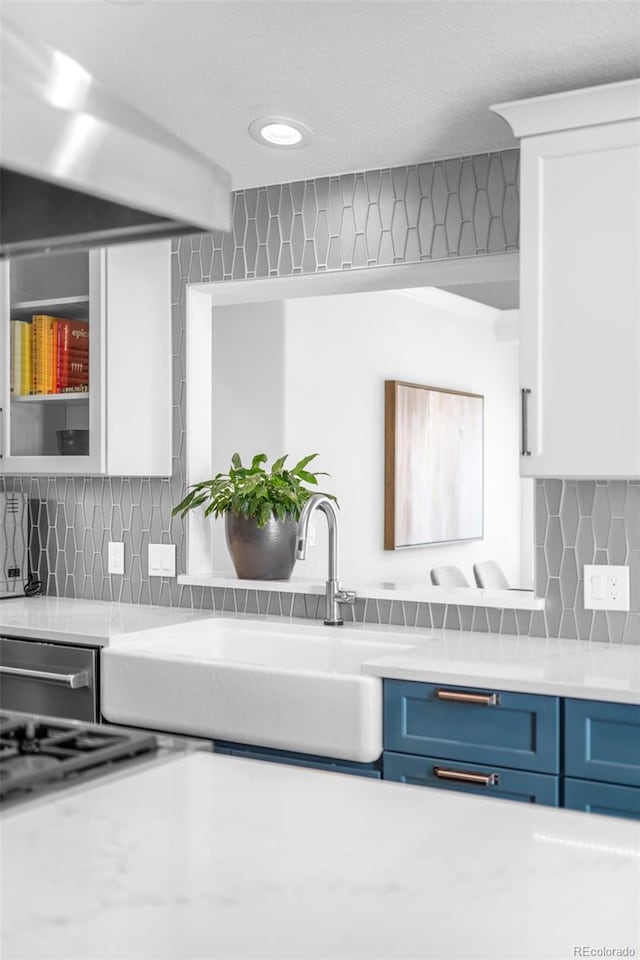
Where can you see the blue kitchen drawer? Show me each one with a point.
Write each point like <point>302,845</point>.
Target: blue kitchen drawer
<point>513,730</point>
<point>299,759</point>
<point>602,741</point>
<point>505,784</point>
<point>610,799</point>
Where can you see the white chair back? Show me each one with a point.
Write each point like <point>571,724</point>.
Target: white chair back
<point>489,575</point>
<point>448,577</point>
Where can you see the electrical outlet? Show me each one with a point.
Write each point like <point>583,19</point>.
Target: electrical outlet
<point>116,557</point>
<point>606,587</point>
<point>162,559</point>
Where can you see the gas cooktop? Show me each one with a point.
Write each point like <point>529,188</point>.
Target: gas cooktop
<point>37,752</point>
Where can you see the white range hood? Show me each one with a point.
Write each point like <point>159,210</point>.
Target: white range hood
<point>80,167</point>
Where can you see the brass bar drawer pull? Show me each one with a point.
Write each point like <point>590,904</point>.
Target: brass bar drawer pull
<point>458,696</point>
<point>72,680</point>
<point>482,779</point>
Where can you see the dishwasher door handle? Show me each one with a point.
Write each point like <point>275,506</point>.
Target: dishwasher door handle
<point>72,680</point>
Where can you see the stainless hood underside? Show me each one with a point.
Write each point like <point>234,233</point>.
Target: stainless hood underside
<point>79,167</point>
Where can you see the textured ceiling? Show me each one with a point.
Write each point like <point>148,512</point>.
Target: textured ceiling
<point>380,82</point>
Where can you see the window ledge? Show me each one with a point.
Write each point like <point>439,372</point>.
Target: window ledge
<point>379,590</point>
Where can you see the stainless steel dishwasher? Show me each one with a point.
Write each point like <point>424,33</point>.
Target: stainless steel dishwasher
<point>53,679</point>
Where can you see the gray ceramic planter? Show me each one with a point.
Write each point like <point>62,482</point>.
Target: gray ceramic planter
<point>261,553</point>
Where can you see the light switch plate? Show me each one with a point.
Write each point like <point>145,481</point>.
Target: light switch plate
<point>606,587</point>
<point>116,557</point>
<point>162,559</point>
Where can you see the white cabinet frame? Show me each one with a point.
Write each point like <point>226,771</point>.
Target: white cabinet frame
<point>130,368</point>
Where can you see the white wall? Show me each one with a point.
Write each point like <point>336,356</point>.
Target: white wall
<point>248,391</point>
<point>339,350</point>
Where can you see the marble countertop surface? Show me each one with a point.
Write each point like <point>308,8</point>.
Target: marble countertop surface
<point>553,667</point>
<point>94,622</point>
<point>204,856</point>
<point>550,667</point>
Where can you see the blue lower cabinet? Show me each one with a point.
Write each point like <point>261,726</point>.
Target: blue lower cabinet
<point>373,770</point>
<point>609,799</point>
<point>602,741</point>
<point>518,731</point>
<point>471,778</point>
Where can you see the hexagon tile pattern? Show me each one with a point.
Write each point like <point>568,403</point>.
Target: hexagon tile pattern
<point>581,522</point>
<point>462,207</point>
<point>451,208</point>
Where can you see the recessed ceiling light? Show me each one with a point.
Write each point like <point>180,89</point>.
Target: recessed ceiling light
<point>279,132</point>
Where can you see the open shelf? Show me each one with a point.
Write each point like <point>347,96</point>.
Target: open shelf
<point>73,308</point>
<point>50,397</point>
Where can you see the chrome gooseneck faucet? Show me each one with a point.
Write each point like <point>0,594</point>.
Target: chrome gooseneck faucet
<point>335,595</point>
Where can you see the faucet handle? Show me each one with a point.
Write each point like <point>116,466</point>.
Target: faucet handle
<point>345,596</point>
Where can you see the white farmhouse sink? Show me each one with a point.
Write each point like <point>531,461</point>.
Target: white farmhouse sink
<point>287,686</point>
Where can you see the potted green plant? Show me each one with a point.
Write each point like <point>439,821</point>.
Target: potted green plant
<point>261,510</point>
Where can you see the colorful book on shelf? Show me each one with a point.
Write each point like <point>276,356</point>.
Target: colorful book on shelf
<point>20,379</point>
<point>16,358</point>
<point>41,363</point>
<point>73,356</point>
<point>26,376</point>
<point>61,355</point>
<point>51,356</point>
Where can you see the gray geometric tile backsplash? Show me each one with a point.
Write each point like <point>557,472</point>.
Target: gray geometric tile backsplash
<point>467,206</point>
<point>452,208</point>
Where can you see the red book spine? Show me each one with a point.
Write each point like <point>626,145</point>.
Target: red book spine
<point>77,368</point>
<point>79,335</point>
<point>62,360</point>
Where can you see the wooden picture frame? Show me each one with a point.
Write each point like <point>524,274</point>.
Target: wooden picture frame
<point>434,465</point>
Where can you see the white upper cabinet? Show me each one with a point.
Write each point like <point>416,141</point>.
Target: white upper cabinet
<point>85,372</point>
<point>580,281</point>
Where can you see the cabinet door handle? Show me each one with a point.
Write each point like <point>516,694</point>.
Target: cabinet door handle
<point>524,398</point>
<point>459,696</point>
<point>464,776</point>
<point>1,433</point>
<point>72,680</point>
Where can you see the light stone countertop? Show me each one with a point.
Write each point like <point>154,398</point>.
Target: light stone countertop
<point>553,667</point>
<point>550,667</point>
<point>204,856</point>
<point>97,623</point>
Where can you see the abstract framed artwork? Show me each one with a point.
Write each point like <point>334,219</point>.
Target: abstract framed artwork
<point>434,472</point>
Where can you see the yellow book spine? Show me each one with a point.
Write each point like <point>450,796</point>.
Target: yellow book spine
<point>26,373</point>
<point>16,359</point>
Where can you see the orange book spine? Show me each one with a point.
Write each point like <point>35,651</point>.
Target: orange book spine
<point>26,377</point>
<point>53,354</point>
<point>34,357</point>
<point>41,341</point>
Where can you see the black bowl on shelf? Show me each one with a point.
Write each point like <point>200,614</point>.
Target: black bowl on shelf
<point>72,443</point>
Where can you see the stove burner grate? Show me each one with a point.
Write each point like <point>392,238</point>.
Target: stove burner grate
<point>35,751</point>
